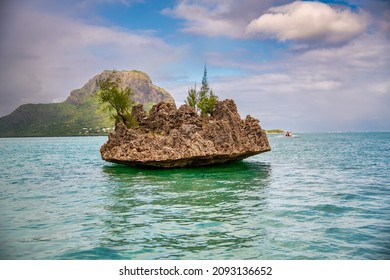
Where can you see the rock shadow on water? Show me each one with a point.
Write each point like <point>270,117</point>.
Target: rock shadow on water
<point>241,173</point>
<point>193,213</point>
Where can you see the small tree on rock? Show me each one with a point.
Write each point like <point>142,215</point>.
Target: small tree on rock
<point>203,101</point>
<point>116,100</point>
<point>192,98</point>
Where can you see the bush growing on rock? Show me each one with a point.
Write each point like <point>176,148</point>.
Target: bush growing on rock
<point>117,100</point>
<point>203,101</point>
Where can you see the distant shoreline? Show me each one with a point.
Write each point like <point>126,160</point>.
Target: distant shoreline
<point>274,131</point>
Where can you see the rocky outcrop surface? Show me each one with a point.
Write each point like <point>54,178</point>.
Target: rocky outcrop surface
<point>171,137</point>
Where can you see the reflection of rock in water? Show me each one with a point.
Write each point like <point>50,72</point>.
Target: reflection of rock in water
<point>172,137</point>
<point>186,213</point>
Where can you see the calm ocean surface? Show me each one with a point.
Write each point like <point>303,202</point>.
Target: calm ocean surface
<point>314,196</point>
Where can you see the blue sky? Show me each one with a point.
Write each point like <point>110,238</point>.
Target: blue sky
<point>296,65</point>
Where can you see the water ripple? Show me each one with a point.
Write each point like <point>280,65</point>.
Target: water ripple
<point>317,196</point>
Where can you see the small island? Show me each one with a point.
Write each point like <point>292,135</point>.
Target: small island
<point>171,137</point>
<point>204,131</point>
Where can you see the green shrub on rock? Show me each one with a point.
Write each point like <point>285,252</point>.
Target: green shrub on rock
<point>203,101</point>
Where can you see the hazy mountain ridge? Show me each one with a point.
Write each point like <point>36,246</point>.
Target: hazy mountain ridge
<point>79,113</point>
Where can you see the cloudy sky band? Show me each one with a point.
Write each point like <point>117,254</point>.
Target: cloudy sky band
<point>301,65</point>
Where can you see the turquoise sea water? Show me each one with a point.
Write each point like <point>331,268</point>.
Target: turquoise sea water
<point>314,196</point>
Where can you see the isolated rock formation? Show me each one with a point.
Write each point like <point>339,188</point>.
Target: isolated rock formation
<point>171,137</point>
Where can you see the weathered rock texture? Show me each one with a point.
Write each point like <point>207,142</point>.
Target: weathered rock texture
<point>171,137</point>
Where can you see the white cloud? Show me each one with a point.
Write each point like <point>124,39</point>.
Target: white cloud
<point>309,21</point>
<point>216,17</point>
<point>205,20</point>
<point>332,89</point>
<point>381,88</point>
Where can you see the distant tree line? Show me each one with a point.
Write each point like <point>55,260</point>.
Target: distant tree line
<point>275,130</point>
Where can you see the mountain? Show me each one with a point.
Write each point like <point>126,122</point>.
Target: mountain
<point>79,114</point>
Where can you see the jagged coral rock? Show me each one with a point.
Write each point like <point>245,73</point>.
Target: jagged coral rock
<point>171,137</point>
